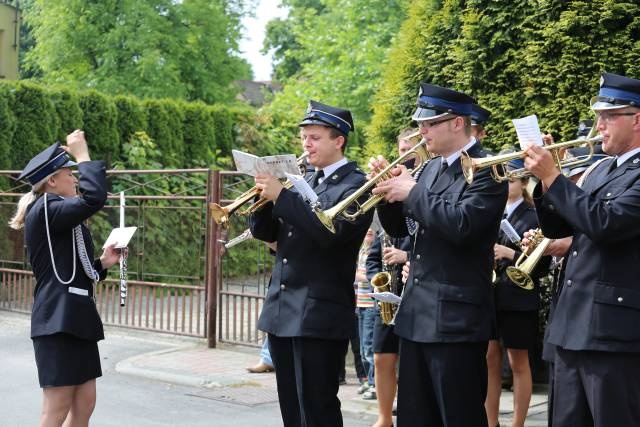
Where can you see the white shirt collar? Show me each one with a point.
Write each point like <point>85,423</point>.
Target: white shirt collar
<point>513,206</point>
<point>452,158</point>
<point>626,156</point>
<point>328,170</point>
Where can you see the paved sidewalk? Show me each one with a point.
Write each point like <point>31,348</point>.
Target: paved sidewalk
<point>221,375</point>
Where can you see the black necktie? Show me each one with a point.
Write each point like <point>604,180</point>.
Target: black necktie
<point>443,169</point>
<point>505,215</point>
<point>613,165</point>
<point>316,177</point>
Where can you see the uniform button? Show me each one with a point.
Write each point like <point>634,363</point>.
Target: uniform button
<point>620,299</point>
<point>289,234</point>
<point>415,281</point>
<point>410,212</point>
<point>418,256</point>
<point>282,287</point>
<point>575,253</point>
<point>569,282</point>
<point>551,207</point>
<point>284,261</point>
<point>608,194</point>
<point>422,231</point>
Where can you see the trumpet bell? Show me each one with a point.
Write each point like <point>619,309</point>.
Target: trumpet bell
<point>520,278</point>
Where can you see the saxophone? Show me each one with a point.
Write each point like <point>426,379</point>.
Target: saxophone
<point>386,281</point>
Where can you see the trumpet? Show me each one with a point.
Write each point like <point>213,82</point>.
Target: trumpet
<point>221,214</point>
<point>470,165</point>
<point>328,216</point>
<point>520,274</point>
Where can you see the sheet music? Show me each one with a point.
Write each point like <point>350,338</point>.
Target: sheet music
<point>528,131</point>
<point>303,188</point>
<point>277,166</point>
<point>508,229</point>
<point>120,236</point>
<point>385,297</point>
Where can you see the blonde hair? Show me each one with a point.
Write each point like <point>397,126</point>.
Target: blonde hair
<point>17,221</point>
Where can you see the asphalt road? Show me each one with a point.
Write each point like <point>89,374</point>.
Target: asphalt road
<point>122,400</point>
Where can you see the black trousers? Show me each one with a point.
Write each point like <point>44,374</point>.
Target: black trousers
<point>442,384</point>
<point>596,388</point>
<point>307,371</point>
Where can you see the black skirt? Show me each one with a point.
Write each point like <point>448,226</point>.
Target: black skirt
<point>384,339</point>
<point>518,329</point>
<point>65,360</point>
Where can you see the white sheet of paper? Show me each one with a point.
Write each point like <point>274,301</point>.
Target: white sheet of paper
<point>385,297</point>
<point>120,236</point>
<point>303,188</point>
<point>528,131</point>
<point>277,166</point>
<point>508,229</point>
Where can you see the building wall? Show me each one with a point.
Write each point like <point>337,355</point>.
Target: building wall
<point>9,40</point>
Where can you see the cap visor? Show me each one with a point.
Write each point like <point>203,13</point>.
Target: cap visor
<point>601,105</point>
<point>307,122</point>
<point>423,114</point>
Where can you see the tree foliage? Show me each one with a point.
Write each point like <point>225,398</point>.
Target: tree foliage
<point>147,48</point>
<point>518,58</point>
<point>331,51</point>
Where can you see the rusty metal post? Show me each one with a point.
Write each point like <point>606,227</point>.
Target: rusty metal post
<point>212,266</point>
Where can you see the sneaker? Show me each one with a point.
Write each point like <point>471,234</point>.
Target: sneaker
<point>370,394</point>
<point>363,387</point>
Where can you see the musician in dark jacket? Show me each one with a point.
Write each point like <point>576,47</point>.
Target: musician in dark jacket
<point>595,323</point>
<point>310,305</point>
<point>516,307</point>
<point>65,325</point>
<point>445,318</point>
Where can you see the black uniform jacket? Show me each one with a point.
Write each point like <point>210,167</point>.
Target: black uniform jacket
<point>55,309</point>
<point>509,296</point>
<point>311,289</point>
<point>599,303</point>
<point>448,293</point>
<point>374,259</point>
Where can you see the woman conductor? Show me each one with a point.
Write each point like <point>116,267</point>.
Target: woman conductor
<point>65,325</point>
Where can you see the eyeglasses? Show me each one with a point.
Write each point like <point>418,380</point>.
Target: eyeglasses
<point>430,124</point>
<point>609,117</point>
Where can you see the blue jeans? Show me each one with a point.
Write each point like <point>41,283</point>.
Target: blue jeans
<point>265,356</point>
<point>366,319</point>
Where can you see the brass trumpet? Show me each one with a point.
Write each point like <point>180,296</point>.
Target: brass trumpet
<point>520,274</point>
<point>221,214</point>
<point>327,217</point>
<point>470,165</point>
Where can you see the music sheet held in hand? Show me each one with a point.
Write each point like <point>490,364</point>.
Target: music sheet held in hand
<point>528,131</point>
<point>385,297</point>
<point>277,166</point>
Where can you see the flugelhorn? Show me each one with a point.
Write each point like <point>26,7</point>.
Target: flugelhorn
<point>221,214</point>
<point>327,217</point>
<point>471,165</point>
<point>520,274</point>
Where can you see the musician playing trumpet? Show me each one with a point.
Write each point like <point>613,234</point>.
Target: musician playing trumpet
<point>309,311</point>
<point>595,323</point>
<point>445,318</point>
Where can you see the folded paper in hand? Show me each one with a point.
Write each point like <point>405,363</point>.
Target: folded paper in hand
<point>528,131</point>
<point>510,232</point>
<point>277,166</point>
<point>303,188</point>
<point>120,237</point>
<point>385,297</point>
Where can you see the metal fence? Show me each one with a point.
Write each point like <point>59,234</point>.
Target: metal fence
<point>181,279</point>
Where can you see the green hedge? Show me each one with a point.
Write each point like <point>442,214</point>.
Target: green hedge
<point>187,134</point>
